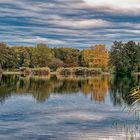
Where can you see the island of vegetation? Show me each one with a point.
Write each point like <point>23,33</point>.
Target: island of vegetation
<point>43,60</point>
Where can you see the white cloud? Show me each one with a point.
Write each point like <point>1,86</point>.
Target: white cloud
<point>39,39</point>
<point>116,5</point>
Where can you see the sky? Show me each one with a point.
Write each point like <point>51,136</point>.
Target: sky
<point>69,23</point>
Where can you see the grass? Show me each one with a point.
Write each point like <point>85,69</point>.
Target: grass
<point>11,73</point>
<point>134,95</point>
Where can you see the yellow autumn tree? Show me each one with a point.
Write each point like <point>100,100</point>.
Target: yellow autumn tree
<point>96,57</point>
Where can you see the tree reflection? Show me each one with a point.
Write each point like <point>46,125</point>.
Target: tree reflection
<point>96,87</point>
<point>120,88</point>
<point>42,87</point>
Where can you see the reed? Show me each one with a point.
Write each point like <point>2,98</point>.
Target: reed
<point>134,95</point>
<point>35,71</point>
<point>79,71</point>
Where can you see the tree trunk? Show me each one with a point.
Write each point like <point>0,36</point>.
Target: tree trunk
<point>0,68</point>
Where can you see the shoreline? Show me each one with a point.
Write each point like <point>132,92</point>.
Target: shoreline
<point>56,73</point>
<point>51,73</point>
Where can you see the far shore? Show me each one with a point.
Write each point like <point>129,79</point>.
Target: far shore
<point>136,73</point>
<point>57,73</point>
<point>51,73</point>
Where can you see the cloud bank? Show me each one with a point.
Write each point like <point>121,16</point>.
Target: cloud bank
<point>69,23</point>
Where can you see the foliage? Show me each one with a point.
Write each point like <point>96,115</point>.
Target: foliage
<point>96,57</point>
<point>69,56</point>
<point>23,56</point>
<point>42,56</point>
<point>56,63</point>
<point>7,56</point>
<point>125,57</point>
<point>122,58</point>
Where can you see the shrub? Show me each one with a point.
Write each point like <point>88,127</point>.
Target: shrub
<point>41,71</point>
<point>79,71</point>
<point>35,71</point>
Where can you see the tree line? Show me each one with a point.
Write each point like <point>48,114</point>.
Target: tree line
<point>123,57</point>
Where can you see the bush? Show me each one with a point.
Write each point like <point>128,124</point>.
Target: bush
<point>79,71</point>
<point>35,71</point>
<point>41,71</point>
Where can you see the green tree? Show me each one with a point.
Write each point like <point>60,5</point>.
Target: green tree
<point>125,58</point>
<point>23,56</point>
<point>7,57</point>
<point>42,56</point>
<point>3,54</point>
<point>132,55</point>
<point>69,56</point>
<point>116,57</point>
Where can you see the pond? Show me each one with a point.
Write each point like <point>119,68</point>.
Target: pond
<point>68,108</point>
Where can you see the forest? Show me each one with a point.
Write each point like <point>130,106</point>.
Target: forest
<point>121,58</point>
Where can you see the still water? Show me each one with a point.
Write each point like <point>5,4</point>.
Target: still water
<point>61,108</point>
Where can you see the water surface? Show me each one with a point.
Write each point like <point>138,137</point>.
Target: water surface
<point>51,108</point>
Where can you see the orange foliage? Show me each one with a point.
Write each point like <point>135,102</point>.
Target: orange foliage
<point>97,56</point>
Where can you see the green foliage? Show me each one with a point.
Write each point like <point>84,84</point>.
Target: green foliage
<point>7,56</point>
<point>125,57</point>
<point>42,56</point>
<point>69,56</point>
<point>23,56</point>
<point>3,53</point>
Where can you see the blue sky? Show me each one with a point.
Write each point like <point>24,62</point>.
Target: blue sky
<point>69,23</point>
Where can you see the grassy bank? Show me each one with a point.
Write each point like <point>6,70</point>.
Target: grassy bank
<point>67,71</point>
<point>11,73</point>
<point>73,71</point>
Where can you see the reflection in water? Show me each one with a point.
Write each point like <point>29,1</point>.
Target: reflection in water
<point>120,88</point>
<point>131,131</point>
<point>97,87</point>
<point>41,87</point>
<point>108,94</point>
